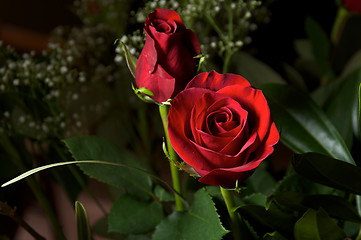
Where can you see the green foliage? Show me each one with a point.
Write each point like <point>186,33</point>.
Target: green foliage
<point>344,103</point>
<point>82,222</point>
<point>320,46</point>
<point>254,70</point>
<point>317,225</point>
<point>303,126</point>
<point>328,171</point>
<point>131,216</point>
<point>267,221</point>
<point>201,221</point>
<point>131,60</point>
<point>129,176</point>
<point>335,206</point>
<point>261,181</point>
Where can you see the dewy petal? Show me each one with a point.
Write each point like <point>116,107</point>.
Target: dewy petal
<point>215,81</point>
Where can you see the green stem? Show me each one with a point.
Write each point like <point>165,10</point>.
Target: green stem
<point>15,157</point>
<point>229,200</point>
<point>227,60</point>
<point>215,26</point>
<point>163,110</point>
<point>230,21</point>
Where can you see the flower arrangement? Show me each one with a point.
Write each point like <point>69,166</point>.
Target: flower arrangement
<point>247,152</point>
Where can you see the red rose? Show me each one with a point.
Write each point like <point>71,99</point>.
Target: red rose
<point>222,127</point>
<point>166,63</point>
<point>352,5</point>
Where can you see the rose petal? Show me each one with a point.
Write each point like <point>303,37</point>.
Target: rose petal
<point>227,177</point>
<point>157,80</point>
<point>167,15</point>
<point>215,81</point>
<point>207,109</point>
<point>180,134</point>
<point>255,103</point>
<point>213,159</point>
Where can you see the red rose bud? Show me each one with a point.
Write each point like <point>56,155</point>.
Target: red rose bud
<point>353,5</point>
<point>166,63</point>
<point>222,127</point>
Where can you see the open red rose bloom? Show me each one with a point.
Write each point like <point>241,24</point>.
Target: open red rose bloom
<point>222,127</point>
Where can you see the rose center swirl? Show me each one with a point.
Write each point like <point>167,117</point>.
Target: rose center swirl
<point>217,121</point>
<point>164,26</point>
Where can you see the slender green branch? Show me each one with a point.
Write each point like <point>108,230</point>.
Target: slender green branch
<point>215,26</point>
<point>230,22</point>
<point>163,110</point>
<point>227,59</point>
<point>229,200</point>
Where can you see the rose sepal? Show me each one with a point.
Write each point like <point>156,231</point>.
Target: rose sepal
<point>130,59</point>
<point>202,58</point>
<point>144,94</point>
<point>181,165</point>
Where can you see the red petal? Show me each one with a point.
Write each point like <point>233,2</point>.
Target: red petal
<point>215,81</point>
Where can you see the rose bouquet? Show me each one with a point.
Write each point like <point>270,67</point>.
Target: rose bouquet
<point>253,154</point>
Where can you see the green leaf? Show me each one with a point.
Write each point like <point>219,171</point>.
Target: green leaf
<point>261,181</point>
<point>101,228</point>
<point>304,49</point>
<point>294,77</point>
<point>340,108</point>
<point>264,221</point>
<point>303,125</point>
<point>133,181</point>
<point>131,60</point>
<point>82,222</point>
<point>256,199</point>
<point>317,225</point>
<point>132,216</point>
<point>352,65</point>
<point>320,46</point>
<point>328,171</point>
<point>200,222</point>
<point>273,236</point>
<point>162,195</point>
<point>254,70</point>
<point>335,206</point>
